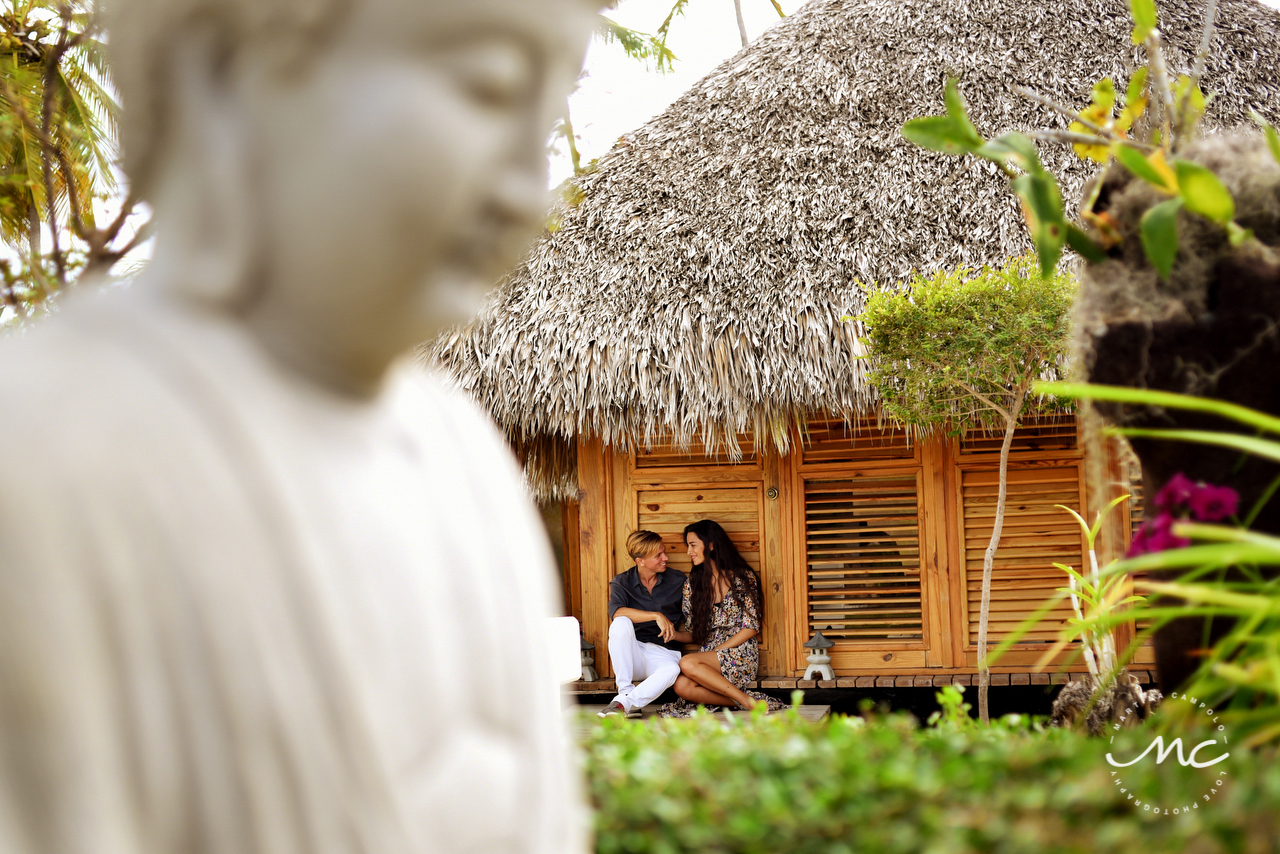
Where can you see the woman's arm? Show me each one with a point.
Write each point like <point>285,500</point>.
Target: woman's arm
<point>739,639</point>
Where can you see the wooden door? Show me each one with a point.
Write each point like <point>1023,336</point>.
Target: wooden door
<point>662,489</point>
<point>865,546</point>
<point>1045,470</point>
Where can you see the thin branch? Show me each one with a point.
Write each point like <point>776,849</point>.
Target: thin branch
<point>1206,41</point>
<point>1066,111</point>
<point>999,410</point>
<point>1160,71</point>
<point>742,25</point>
<point>1084,139</point>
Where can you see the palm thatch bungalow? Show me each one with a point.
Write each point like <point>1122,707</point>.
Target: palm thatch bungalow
<point>673,348</point>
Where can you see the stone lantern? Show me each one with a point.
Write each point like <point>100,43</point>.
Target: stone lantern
<point>588,663</point>
<point>819,662</point>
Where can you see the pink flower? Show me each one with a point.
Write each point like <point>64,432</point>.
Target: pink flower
<point>1176,493</point>
<point>1213,503</point>
<point>1157,536</point>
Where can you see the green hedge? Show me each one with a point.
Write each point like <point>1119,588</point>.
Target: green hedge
<point>780,785</point>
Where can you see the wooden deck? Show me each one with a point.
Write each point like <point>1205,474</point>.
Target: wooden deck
<point>607,686</point>
<point>589,714</point>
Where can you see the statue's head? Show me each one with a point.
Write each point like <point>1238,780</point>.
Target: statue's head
<point>346,175</point>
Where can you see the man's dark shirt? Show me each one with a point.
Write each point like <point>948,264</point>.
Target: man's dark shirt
<point>626,591</point>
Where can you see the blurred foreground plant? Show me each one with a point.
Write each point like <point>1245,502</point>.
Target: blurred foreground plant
<point>778,783</point>
<point>57,151</point>
<point>1222,574</point>
<point>1158,118</point>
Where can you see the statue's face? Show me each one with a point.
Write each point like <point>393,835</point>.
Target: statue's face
<point>404,169</point>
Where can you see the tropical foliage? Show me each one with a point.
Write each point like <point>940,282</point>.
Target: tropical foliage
<point>963,348</point>
<point>883,784</point>
<point>57,149</point>
<point>1158,117</point>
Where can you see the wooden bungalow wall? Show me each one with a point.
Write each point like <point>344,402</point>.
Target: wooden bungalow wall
<point>873,539</point>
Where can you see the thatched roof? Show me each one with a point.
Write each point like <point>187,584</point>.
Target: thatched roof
<point>697,287</point>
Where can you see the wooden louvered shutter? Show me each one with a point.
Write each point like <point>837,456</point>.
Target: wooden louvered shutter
<point>1036,534</point>
<point>668,511</point>
<point>862,542</point>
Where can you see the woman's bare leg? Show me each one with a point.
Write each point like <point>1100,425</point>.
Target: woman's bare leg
<point>704,669</point>
<point>695,693</point>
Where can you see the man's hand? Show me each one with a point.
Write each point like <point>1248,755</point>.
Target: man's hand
<point>665,626</point>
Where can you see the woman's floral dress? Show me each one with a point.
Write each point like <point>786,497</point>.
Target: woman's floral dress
<point>729,616</point>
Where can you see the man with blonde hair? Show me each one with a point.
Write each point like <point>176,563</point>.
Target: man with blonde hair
<point>644,611</point>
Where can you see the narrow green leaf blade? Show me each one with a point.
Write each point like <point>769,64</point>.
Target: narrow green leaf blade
<point>1264,448</point>
<point>1144,19</point>
<point>1151,397</point>
<point>939,133</point>
<point>1269,132</point>
<point>1160,235</point>
<point>1203,193</point>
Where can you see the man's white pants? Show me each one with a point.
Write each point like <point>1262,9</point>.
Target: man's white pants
<point>656,665</point>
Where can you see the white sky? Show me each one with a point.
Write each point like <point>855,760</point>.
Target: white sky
<point>619,95</point>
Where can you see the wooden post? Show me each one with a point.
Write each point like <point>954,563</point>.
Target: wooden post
<point>777,607</point>
<point>935,582</point>
<point>595,545</point>
<point>572,562</point>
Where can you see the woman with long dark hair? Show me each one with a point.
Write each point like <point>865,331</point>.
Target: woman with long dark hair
<point>724,609</point>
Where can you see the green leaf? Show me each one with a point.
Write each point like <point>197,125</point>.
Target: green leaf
<point>1144,19</point>
<point>1160,235</point>
<point>1084,246</point>
<point>1104,94</point>
<point>1166,399</point>
<point>1137,85</point>
<point>1189,101</point>
<point>1042,206</point>
<point>940,133</point>
<point>1264,448</point>
<point>1269,132</point>
<point>958,113</point>
<point>1145,169</point>
<point>1013,147</point>
<point>1203,193</point>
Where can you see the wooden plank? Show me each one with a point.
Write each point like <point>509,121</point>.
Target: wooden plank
<point>625,513</point>
<point>884,681</point>
<point>572,561</point>
<point>941,679</point>
<point>595,545</point>
<point>774,655</point>
<point>923,682</point>
<point>904,682</point>
<point>866,681</point>
<point>999,679</point>
<point>1019,679</point>
<point>1039,678</point>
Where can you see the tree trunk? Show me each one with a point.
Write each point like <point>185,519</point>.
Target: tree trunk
<point>742,25</point>
<point>33,233</point>
<point>989,558</point>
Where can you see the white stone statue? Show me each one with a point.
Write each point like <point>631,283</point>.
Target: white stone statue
<point>247,552</point>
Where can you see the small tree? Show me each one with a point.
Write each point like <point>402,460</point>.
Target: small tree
<point>962,349</point>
